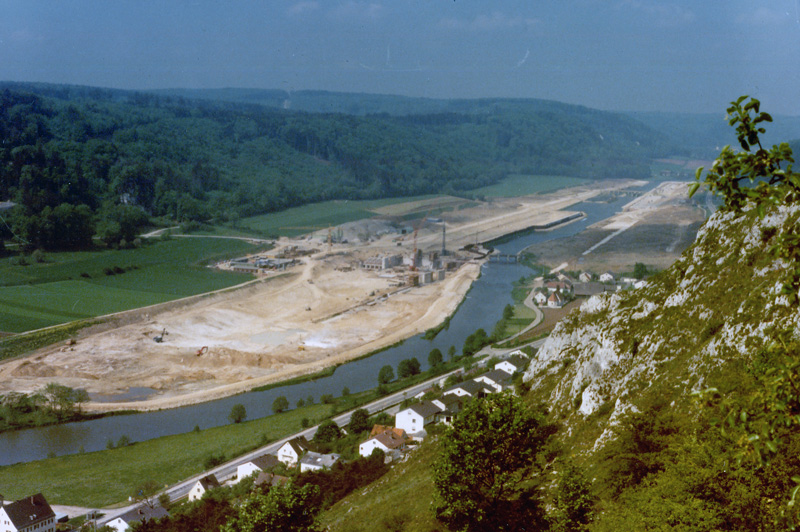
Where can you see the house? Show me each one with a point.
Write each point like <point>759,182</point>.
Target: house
<point>451,405</point>
<point>414,418</point>
<point>28,515</point>
<point>377,429</point>
<point>558,286</point>
<point>265,462</point>
<point>517,353</point>
<point>201,486</point>
<point>498,379</point>
<point>317,462</point>
<point>563,277</point>
<point>512,365</point>
<point>592,289</point>
<point>607,277</point>
<point>469,389</point>
<point>555,300</point>
<point>387,441</point>
<point>585,277</point>
<point>293,450</point>
<point>142,513</point>
<point>540,298</point>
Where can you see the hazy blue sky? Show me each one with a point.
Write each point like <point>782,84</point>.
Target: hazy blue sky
<point>610,54</point>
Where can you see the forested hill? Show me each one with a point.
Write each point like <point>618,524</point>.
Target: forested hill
<point>80,160</point>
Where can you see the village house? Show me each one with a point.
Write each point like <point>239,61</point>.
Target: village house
<point>555,300</point>
<point>451,405</point>
<point>31,514</point>
<point>202,486</point>
<point>512,364</point>
<point>317,462</point>
<point>607,277</point>
<point>558,286</point>
<point>388,441</point>
<point>414,418</point>
<point>585,277</point>
<point>293,450</point>
<point>498,379</point>
<point>141,514</point>
<point>469,389</point>
<point>540,298</point>
<point>265,462</point>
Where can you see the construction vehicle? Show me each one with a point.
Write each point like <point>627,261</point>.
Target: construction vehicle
<point>160,338</point>
<point>201,350</point>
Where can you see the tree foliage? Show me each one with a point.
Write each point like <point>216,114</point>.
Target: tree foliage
<point>287,508</point>
<point>359,421</point>
<point>435,357</point>
<point>327,432</point>
<point>485,473</point>
<point>280,404</point>
<point>385,375</point>
<point>408,367</point>
<point>238,413</point>
<point>95,151</point>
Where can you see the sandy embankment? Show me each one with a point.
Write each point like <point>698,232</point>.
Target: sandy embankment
<point>323,313</point>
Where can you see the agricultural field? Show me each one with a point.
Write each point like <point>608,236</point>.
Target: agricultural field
<point>71,286</point>
<point>523,185</point>
<point>301,220</point>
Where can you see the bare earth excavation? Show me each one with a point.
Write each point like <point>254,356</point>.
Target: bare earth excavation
<point>324,310</point>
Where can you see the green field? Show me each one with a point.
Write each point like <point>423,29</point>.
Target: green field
<point>104,478</point>
<point>522,185</point>
<point>317,215</point>
<point>71,286</point>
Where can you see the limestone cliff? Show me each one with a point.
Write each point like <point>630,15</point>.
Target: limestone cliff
<point>718,302</point>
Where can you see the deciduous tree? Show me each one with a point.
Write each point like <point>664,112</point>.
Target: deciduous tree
<point>485,470</point>
<point>285,508</point>
<point>280,404</point>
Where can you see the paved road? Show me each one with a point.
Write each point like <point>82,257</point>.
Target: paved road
<point>228,470</point>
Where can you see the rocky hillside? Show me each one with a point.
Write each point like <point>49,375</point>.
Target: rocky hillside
<point>718,303</point>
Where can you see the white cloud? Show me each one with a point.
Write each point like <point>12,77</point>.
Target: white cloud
<point>301,8</point>
<point>493,22</point>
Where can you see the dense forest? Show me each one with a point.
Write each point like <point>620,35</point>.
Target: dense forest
<point>80,162</point>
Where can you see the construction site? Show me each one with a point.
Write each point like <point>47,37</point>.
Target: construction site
<point>314,301</point>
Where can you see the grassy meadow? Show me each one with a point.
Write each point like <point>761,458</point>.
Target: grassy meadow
<point>301,220</point>
<point>109,477</point>
<point>72,286</point>
<point>523,185</point>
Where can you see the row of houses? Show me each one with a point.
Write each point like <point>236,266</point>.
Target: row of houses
<point>410,422</point>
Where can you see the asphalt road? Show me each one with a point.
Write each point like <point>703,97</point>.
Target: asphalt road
<point>228,469</point>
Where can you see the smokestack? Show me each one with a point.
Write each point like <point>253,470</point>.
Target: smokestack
<point>444,249</point>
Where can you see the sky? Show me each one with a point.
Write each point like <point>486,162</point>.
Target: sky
<point>621,55</point>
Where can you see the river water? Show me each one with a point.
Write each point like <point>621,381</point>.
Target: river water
<point>483,307</point>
